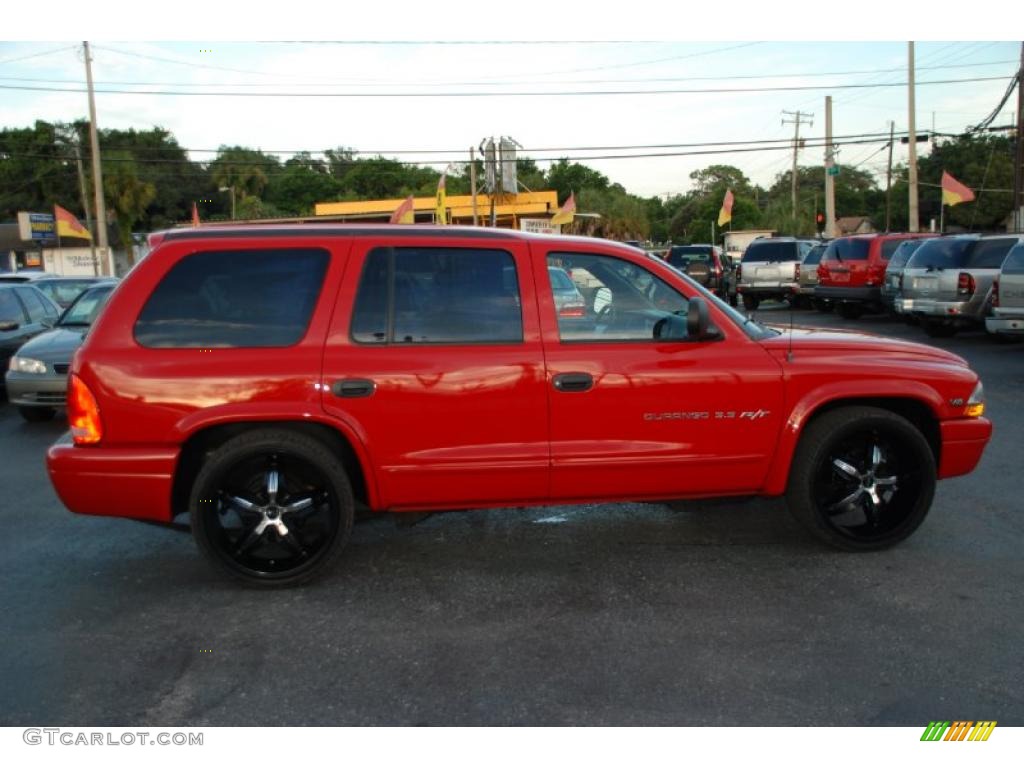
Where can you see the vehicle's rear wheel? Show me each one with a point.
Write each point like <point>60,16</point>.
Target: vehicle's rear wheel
<point>938,329</point>
<point>849,311</point>
<point>750,302</point>
<point>862,478</point>
<point>272,508</point>
<point>35,413</point>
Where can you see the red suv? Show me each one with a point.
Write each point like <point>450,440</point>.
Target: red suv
<point>269,381</point>
<point>852,271</point>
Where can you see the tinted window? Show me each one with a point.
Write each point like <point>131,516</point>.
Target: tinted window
<point>771,250</point>
<point>87,306</point>
<point>847,249</point>
<point>1014,264</point>
<point>989,254</point>
<point>889,248</point>
<point>250,298</point>
<point>814,256</point>
<point>681,255</point>
<point>437,296</point>
<point>623,301</point>
<point>38,309</point>
<point>903,253</point>
<point>560,281</point>
<point>10,308</point>
<point>941,253</point>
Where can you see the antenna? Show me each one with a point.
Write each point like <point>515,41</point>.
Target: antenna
<point>789,349</point>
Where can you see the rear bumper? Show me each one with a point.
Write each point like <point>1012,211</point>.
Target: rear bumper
<point>1011,325</point>
<point>773,289</point>
<point>867,294</point>
<point>959,311</point>
<point>963,442</point>
<point>114,482</point>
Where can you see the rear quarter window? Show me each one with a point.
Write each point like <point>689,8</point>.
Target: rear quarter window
<point>245,298</point>
<point>989,254</point>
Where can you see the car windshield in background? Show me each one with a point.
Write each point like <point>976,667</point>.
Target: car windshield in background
<point>681,255</point>
<point>903,253</point>
<point>771,251</point>
<point>560,281</point>
<point>86,307</point>
<point>989,254</point>
<point>945,253</point>
<point>814,257</point>
<point>847,250</point>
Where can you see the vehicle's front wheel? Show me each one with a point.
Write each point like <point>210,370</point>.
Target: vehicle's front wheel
<point>862,478</point>
<point>35,413</point>
<point>937,329</point>
<point>849,310</point>
<point>750,303</point>
<point>272,508</point>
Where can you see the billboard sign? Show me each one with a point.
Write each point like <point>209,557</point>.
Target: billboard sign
<point>38,227</point>
<point>540,226</point>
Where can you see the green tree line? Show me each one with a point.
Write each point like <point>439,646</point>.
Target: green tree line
<point>150,183</point>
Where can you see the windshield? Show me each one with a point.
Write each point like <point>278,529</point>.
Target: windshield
<point>86,307</point>
<point>748,325</point>
<point>903,253</point>
<point>943,253</point>
<point>771,250</point>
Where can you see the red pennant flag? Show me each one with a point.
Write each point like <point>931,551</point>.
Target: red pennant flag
<point>405,213</point>
<point>195,215</point>
<point>725,214</point>
<point>953,192</point>
<point>566,213</point>
<point>68,225</point>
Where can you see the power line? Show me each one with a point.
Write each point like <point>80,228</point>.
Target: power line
<point>505,94</point>
<point>36,55</point>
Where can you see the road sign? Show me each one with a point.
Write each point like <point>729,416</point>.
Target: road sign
<point>832,170</point>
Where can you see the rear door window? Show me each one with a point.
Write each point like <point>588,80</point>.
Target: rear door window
<point>10,308</point>
<point>438,296</point>
<point>38,310</point>
<point>847,250</point>
<point>770,250</point>
<point>941,253</point>
<point>244,298</point>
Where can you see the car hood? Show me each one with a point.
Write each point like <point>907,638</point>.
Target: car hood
<point>55,346</point>
<point>829,341</point>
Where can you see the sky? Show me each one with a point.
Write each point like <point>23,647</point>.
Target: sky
<point>390,81</point>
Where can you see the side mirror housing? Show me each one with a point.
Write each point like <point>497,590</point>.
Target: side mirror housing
<point>698,322</point>
<point>9,325</point>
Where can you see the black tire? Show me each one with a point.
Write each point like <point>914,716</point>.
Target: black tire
<point>849,311</point>
<point>733,300</point>
<point>750,303</point>
<point>822,305</point>
<point>845,464</point>
<point>1006,338</point>
<point>35,413</point>
<point>244,515</point>
<point>938,330</point>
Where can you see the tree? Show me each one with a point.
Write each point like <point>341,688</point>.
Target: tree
<point>245,170</point>
<point>982,162</point>
<point>566,177</point>
<point>127,196</point>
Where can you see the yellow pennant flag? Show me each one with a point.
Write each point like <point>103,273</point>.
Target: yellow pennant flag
<point>567,212</point>
<point>405,213</point>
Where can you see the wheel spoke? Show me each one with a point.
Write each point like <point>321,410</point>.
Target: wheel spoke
<point>272,483</point>
<point>876,458</point>
<point>255,535</point>
<point>241,503</point>
<point>846,501</point>
<point>293,544</point>
<point>297,506</point>
<point>887,481</point>
<point>847,469</point>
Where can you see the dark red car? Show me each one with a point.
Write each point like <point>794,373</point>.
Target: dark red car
<point>852,271</point>
<point>267,381</point>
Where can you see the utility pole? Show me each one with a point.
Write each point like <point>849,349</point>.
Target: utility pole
<point>97,171</point>
<point>914,224</point>
<point>85,205</point>
<point>830,180</point>
<point>798,118</point>
<point>472,184</point>
<point>1018,168</point>
<point>888,176</point>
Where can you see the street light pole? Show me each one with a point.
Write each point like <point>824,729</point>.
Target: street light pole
<point>97,171</point>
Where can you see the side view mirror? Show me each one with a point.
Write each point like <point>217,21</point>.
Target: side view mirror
<point>698,323</point>
<point>9,325</point>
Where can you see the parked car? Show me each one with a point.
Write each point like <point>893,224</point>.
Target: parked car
<point>706,264</point>
<point>267,380</point>
<point>37,376</point>
<point>947,282</point>
<point>852,271</point>
<point>1007,319</point>
<point>770,269</point>
<point>24,312</point>
<point>64,290</point>
<point>892,285</point>
<point>24,276</point>
<point>808,278</point>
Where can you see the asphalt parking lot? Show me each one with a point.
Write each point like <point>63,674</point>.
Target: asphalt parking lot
<point>712,613</point>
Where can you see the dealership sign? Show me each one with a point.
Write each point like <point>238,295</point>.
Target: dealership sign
<point>540,226</point>
<point>36,226</point>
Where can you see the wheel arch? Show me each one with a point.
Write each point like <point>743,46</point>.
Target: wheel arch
<point>208,438</point>
<point>919,408</point>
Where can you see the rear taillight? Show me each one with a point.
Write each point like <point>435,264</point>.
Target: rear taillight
<point>83,413</point>
<point>739,272</point>
<point>965,284</point>
<point>796,272</point>
<point>995,294</point>
<point>572,310</point>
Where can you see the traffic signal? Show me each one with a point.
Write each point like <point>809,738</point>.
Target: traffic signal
<point>820,218</point>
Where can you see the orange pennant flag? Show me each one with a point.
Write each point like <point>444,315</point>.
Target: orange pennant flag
<point>725,214</point>
<point>405,213</point>
<point>68,225</point>
<point>953,192</point>
<point>566,212</point>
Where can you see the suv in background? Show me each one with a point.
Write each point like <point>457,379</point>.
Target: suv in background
<point>892,285</point>
<point>852,271</point>
<point>947,282</point>
<point>706,264</point>
<point>1007,319</point>
<point>770,269</point>
<point>809,278</point>
<point>267,380</point>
